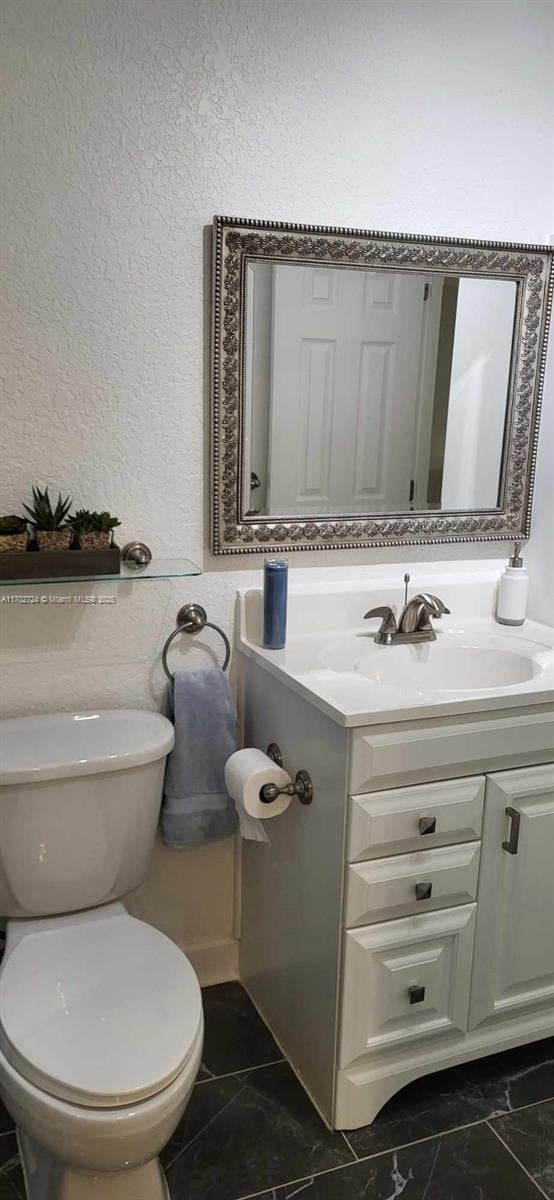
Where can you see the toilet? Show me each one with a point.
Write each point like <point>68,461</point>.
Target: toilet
<point>101,1023</point>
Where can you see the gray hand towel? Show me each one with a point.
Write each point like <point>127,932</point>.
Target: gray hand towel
<point>196,807</point>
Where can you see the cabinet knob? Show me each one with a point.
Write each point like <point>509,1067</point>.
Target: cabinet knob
<point>427,824</point>
<point>416,994</point>
<point>423,891</point>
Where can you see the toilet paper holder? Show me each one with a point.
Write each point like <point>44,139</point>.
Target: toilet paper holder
<point>302,787</point>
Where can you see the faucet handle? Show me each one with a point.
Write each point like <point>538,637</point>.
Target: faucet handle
<point>434,603</point>
<point>384,610</point>
<point>388,623</point>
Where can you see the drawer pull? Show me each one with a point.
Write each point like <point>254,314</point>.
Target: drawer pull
<point>515,821</point>
<point>423,891</point>
<point>416,994</point>
<point>427,824</point>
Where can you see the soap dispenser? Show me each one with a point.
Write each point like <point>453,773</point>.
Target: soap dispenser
<point>511,605</point>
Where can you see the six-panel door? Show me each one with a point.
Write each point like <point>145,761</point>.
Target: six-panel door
<point>513,969</point>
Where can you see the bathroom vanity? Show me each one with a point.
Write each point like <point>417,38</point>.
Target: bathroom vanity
<point>376,389</point>
<point>404,921</point>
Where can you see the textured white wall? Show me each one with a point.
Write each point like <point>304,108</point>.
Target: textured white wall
<point>129,123</point>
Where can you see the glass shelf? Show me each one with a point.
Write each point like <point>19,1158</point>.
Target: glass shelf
<point>158,568</point>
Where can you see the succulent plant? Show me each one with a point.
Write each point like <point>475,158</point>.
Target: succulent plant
<point>84,521</point>
<point>42,516</point>
<point>12,525</point>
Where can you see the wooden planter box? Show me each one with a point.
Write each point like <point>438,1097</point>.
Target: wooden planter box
<point>58,564</point>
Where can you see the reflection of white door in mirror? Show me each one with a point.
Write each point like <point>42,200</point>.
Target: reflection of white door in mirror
<point>257,365</point>
<point>346,350</point>
<point>478,390</point>
<point>373,391</point>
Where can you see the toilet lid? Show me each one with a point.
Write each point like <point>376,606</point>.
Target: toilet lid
<point>103,1013</point>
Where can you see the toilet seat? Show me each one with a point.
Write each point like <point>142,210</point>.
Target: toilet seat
<point>102,1013</point>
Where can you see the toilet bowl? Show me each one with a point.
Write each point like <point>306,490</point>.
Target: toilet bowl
<point>101,1022</point>
<point>101,1032</point>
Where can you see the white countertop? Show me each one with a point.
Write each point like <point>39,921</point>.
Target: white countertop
<point>332,660</point>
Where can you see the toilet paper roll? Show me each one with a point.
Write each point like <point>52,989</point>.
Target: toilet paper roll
<point>246,771</point>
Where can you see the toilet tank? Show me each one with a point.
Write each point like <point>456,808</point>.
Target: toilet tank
<point>80,796</point>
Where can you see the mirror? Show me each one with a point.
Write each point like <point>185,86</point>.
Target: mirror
<point>371,392</point>
<point>373,388</point>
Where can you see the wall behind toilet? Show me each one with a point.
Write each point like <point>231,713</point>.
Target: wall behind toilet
<point>129,124</point>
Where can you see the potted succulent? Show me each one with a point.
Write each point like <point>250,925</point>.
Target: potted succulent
<point>51,527</point>
<point>13,533</point>
<point>93,529</point>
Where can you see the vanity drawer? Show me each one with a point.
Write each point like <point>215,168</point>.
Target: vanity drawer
<point>385,888</point>
<point>404,980</point>
<point>427,749</point>
<point>415,818</point>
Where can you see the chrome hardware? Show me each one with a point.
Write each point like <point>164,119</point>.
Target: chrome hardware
<point>513,841</point>
<point>136,554</point>
<point>274,753</point>
<point>414,622</point>
<point>387,630</point>
<point>255,482</point>
<point>191,618</point>
<point>416,614</point>
<point>302,787</point>
<point>423,891</point>
<point>427,825</point>
<point>416,994</point>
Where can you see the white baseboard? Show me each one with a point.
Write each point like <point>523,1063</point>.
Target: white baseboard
<point>215,962</point>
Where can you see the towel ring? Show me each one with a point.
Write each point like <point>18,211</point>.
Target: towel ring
<point>191,618</point>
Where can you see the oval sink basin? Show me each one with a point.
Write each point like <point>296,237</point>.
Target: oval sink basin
<point>457,661</point>
<point>448,668</point>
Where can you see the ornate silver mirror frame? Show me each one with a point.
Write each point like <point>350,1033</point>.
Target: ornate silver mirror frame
<point>239,241</point>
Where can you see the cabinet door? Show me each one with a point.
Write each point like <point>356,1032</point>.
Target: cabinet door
<point>514,945</point>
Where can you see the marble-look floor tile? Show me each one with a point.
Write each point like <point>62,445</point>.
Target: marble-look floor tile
<point>530,1136</point>
<point>465,1165</point>
<point>207,1103</point>
<point>235,1037</point>
<point>513,1078</point>
<point>434,1104</point>
<point>8,1150</point>
<point>257,1130</point>
<point>12,1186</point>
<point>6,1122</point>
<point>448,1099</point>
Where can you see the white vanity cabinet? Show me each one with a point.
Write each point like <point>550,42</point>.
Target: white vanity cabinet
<point>398,925</point>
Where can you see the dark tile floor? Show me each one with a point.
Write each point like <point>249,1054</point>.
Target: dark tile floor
<point>484,1131</point>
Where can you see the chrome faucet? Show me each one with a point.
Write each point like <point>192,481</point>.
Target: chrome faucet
<point>414,623</point>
